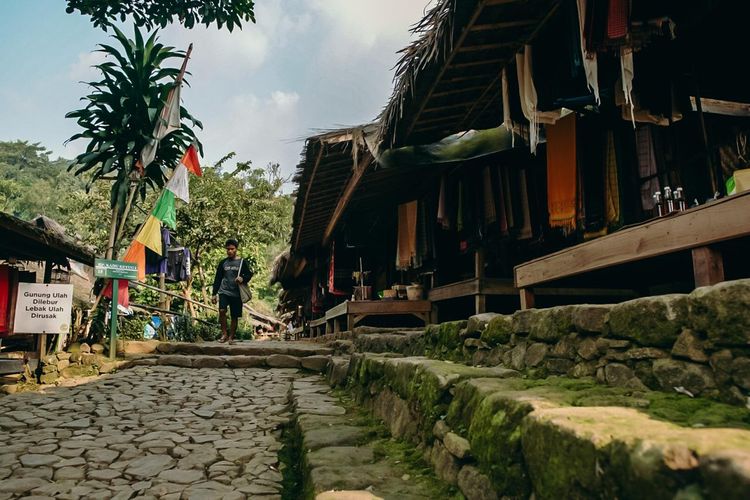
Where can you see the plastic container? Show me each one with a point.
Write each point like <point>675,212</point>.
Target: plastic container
<point>415,292</point>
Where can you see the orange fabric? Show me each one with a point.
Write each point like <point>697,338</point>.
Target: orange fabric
<point>561,173</point>
<point>406,250</point>
<point>137,255</point>
<point>190,160</point>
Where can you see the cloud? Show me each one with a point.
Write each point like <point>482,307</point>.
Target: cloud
<point>82,70</point>
<point>260,129</point>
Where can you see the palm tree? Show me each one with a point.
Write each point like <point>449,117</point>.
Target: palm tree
<point>118,121</point>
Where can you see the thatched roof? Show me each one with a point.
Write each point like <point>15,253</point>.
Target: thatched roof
<point>327,163</point>
<point>40,240</point>
<point>448,80</point>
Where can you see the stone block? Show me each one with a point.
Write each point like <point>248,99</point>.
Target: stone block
<point>440,429</point>
<point>175,360</point>
<point>142,347</point>
<point>62,355</point>
<point>473,344</point>
<point>315,363</point>
<point>518,357</point>
<point>245,361</point>
<point>552,324</point>
<point>722,312</point>
<point>566,347</point>
<point>458,447</point>
<point>741,372</point>
<point>108,367</point>
<point>619,375</point>
<point>97,348</point>
<point>558,366</point>
<point>587,349</point>
<point>524,320</point>
<point>536,354</point>
<point>63,364</point>
<point>475,485</point>
<point>208,362</point>
<point>395,412</point>
<point>650,321</point>
<point>583,369</point>
<point>690,346</point>
<point>85,348</point>
<point>75,371</point>
<point>49,378</point>
<point>590,318</point>
<point>478,323</point>
<point>498,330</point>
<point>445,465</point>
<point>282,361</point>
<point>671,373</point>
<point>338,371</point>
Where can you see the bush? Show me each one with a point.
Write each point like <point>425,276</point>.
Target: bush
<point>132,328</point>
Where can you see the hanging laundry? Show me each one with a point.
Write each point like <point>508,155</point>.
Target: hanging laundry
<point>423,247</point>
<point>590,63</point>
<point>526,231</point>
<point>647,170</point>
<point>157,263</point>
<point>508,198</point>
<point>591,162</point>
<point>618,20</point>
<point>614,214</point>
<point>561,173</point>
<point>490,213</point>
<point>178,265</point>
<point>528,97</point>
<point>507,120</point>
<point>502,216</point>
<point>627,73</point>
<point>442,215</point>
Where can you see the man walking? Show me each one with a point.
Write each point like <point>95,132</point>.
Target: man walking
<point>229,274</point>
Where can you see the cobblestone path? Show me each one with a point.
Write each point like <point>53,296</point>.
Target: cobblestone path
<point>149,432</point>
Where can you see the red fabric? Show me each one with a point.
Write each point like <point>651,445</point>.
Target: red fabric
<point>5,289</point>
<point>618,19</point>
<point>122,292</point>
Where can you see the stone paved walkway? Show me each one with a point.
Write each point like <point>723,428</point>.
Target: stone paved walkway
<point>148,432</point>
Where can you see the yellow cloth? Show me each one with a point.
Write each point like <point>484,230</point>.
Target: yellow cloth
<point>612,183</point>
<point>150,234</point>
<point>561,173</point>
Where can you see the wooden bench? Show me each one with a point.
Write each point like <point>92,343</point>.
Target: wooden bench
<point>317,327</point>
<point>696,230</point>
<point>347,315</point>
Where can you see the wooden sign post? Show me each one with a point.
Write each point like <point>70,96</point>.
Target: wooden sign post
<point>114,270</point>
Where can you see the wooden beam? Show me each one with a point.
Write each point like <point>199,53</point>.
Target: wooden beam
<point>446,64</point>
<point>454,290</point>
<point>487,46</point>
<point>719,107</point>
<point>307,193</point>
<point>472,64</point>
<point>527,298</point>
<point>444,108</point>
<point>458,91</point>
<point>504,25</point>
<point>346,195</point>
<point>700,226</point>
<point>708,266</point>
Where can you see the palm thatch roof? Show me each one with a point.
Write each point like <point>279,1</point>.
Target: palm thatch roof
<point>448,80</point>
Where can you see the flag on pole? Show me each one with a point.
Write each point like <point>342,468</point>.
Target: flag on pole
<point>168,121</point>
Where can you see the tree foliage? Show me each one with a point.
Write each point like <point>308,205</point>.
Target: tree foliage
<point>160,13</point>
<point>121,111</point>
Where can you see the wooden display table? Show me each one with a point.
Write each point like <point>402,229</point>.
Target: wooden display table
<point>695,230</point>
<point>350,313</point>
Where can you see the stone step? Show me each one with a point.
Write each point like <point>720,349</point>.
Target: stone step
<point>245,348</point>
<point>340,453</point>
<point>558,436</point>
<point>314,362</point>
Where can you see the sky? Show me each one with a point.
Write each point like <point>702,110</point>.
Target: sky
<point>306,65</point>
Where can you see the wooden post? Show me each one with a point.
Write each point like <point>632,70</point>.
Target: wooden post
<point>708,266</point>
<point>527,298</point>
<point>480,300</point>
<point>113,321</point>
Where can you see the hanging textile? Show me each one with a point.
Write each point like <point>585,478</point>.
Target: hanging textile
<point>508,197</point>
<point>561,173</point>
<point>442,215</point>
<point>618,20</point>
<point>178,265</point>
<point>528,97</point>
<point>525,232</point>
<point>339,277</point>
<point>460,208</point>
<point>5,298</point>
<point>157,263</point>
<point>507,120</point>
<point>627,71</point>
<point>490,213</point>
<point>501,216</point>
<point>423,246</point>
<point>123,298</point>
<point>613,211</point>
<point>647,170</point>
<point>590,63</point>
<point>406,249</point>
<point>591,163</point>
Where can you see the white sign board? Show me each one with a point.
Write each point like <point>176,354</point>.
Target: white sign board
<point>42,308</point>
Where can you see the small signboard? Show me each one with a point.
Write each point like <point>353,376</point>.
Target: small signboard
<point>115,269</point>
<point>43,308</point>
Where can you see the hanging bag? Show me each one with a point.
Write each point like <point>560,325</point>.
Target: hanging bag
<point>246,295</point>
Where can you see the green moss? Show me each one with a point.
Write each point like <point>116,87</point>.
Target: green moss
<point>498,331</point>
<point>444,341</point>
<point>650,321</point>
